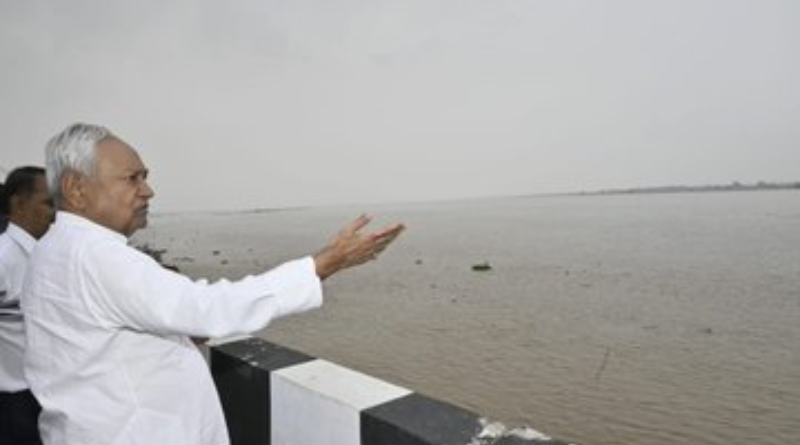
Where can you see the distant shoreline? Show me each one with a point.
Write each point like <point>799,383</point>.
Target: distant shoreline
<point>732,187</point>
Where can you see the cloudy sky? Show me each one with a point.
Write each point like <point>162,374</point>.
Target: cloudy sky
<point>272,103</point>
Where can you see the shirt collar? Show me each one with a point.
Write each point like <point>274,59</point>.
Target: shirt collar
<point>21,237</point>
<point>71,219</point>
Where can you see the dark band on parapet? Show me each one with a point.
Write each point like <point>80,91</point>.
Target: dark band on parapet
<point>313,402</point>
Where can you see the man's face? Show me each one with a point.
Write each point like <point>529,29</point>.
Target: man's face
<point>118,193</point>
<point>36,210</point>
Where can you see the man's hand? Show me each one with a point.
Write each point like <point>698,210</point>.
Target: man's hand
<point>350,248</point>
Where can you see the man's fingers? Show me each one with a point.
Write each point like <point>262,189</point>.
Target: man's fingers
<point>367,247</point>
<point>356,225</point>
<point>360,222</point>
<point>385,237</point>
<point>389,232</point>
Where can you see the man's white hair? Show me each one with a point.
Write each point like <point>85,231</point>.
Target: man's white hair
<point>75,150</point>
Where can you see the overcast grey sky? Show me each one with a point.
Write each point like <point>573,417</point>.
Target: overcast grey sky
<point>271,103</point>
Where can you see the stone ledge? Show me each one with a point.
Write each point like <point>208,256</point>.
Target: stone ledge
<point>315,402</point>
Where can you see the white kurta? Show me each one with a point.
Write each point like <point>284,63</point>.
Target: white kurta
<point>108,355</point>
<point>15,247</point>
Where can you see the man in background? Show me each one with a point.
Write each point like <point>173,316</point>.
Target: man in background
<point>26,204</point>
<point>3,212</point>
<point>109,351</point>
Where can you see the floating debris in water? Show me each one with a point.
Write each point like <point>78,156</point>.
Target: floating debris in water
<point>482,267</point>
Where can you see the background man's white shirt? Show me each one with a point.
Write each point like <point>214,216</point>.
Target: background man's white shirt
<point>15,246</point>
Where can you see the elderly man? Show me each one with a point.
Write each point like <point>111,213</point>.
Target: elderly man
<point>109,352</point>
<point>27,205</point>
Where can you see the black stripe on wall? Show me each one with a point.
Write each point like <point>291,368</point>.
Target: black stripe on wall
<point>418,420</point>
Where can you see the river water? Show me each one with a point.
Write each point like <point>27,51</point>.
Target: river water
<point>627,319</point>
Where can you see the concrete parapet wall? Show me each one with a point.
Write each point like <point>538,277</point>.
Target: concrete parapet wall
<point>277,396</point>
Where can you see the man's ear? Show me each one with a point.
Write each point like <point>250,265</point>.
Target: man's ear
<point>73,191</point>
<point>16,205</point>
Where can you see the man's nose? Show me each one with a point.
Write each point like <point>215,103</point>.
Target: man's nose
<point>147,191</point>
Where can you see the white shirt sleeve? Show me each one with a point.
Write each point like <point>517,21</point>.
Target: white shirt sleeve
<point>9,301</point>
<point>4,291</point>
<point>125,288</point>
